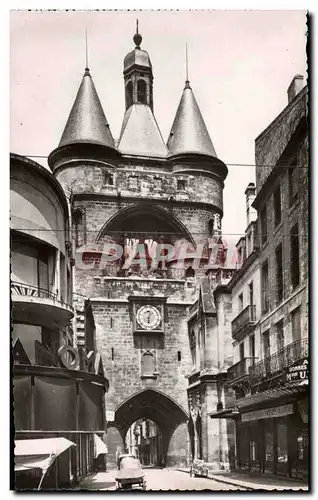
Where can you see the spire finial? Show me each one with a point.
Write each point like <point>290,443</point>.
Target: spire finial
<point>86,53</point>
<point>187,82</point>
<point>137,37</point>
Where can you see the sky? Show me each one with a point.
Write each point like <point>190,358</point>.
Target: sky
<point>240,66</point>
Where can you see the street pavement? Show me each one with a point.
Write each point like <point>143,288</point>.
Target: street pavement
<point>159,480</point>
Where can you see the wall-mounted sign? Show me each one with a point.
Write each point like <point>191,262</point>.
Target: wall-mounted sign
<point>278,411</point>
<point>110,416</point>
<point>68,357</point>
<point>297,372</point>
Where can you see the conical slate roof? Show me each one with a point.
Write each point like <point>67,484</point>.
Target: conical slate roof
<point>189,133</point>
<point>87,122</point>
<point>140,134</point>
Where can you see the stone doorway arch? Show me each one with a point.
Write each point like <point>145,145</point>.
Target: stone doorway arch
<point>169,416</point>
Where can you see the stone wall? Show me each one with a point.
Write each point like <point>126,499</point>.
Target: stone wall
<point>271,143</point>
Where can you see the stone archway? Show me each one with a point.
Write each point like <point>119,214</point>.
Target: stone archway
<point>147,218</point>
<point>169,416</point>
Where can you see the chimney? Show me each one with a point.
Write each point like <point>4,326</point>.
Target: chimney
<point>250,193</point>
<point>295,87</point>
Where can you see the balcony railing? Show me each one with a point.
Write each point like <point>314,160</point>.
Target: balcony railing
<point>247,317</point>
<point>32,291</point>
<point>280,360</point>
<point>36,292</point>
<point>240,369</point>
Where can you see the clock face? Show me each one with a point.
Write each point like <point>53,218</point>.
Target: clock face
<point>148,317</point>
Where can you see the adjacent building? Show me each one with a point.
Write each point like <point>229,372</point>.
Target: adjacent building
<point>270,332</point>
<point>58,389</point>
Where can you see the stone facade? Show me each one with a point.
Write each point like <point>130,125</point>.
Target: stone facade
<point>271,386</point>
<point>123,197</point>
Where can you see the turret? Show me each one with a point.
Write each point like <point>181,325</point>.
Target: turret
<point>87,133</point>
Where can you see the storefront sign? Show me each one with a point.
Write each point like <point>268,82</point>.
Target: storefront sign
<point>297,372</point>
<point>67,356</point>
<point>278,411</point>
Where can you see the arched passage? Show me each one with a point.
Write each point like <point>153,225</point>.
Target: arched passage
<point>169,416</point>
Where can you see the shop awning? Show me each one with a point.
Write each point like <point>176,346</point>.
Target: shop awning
<point>100,447</point>
<point>38,453</point>
<point>275,393</point>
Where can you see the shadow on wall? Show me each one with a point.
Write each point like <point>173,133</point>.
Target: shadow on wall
<point>177,455</point>
<point>115,445</point>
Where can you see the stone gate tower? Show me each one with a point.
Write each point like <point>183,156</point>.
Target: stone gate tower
<point>139,193</point>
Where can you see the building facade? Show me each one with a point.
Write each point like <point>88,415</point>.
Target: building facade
<point>133,199</point>
<point>271,389</point>
<point>58,389</point>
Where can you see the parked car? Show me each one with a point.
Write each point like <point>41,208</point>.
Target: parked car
<point>130,474</point>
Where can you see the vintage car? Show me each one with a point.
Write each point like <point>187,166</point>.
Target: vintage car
<point>130,474</point>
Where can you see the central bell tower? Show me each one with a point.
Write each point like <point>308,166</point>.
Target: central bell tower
<point>141,193</point>
<point>138,75</point>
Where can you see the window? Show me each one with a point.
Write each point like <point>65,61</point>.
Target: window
<point>263,219</point>
<point>31,264</point>
<point>277,206</point>
<point>192,339</point>
<point>240,298</point>
<point>294,257</point>
<point>157,183</point>
<point>147,364</point>
<point>266,344</point>
<point>242,354</point>
<point>251,293</point>
<point>249,247</point>
<point>181,184</point>
<point>279,274</point>
<point>141,91</point>
<point>129,94</point>
<point>280,335</point>
<point>133,182</point>
<point>108,179</point>
<point>295,324</point>
<point>265,290</point>
<point>211,227</point>
<point>293,183</point>
<point>189,272</point>
<point>252,346</point>
<point>78,224</point>
<point>179,355</point>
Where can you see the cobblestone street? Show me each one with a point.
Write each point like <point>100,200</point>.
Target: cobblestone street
<point>159,479</point>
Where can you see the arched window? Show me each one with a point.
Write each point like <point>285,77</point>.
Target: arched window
<point>147,364</point>
<point>129,94</point>
<point>78,227</point>
<point>141,91</point>
<point>190,272</point>
<point>211,227</point>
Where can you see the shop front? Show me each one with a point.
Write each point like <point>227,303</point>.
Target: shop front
<point>61,403</point>
<point>274,439</point>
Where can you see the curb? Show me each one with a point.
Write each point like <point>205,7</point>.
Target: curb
<point>248,486</point>
<point>224,481</point>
